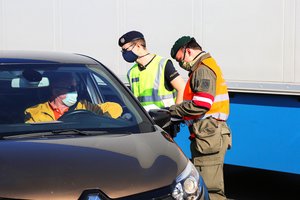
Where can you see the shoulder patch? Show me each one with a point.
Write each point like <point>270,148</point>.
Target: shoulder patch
<point>137,79</point>
<point>204,84</point>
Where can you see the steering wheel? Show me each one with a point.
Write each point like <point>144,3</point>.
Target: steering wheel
<point>77,115</point>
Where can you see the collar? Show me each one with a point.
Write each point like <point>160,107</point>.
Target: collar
<point>141,67</point>
<point>199,58</point>
<point>54,107</point>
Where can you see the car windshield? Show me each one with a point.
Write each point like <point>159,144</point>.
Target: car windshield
<point>47,97</point>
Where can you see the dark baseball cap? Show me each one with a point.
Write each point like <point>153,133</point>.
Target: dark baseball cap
<point>181,42</point>
<point>129,37</point>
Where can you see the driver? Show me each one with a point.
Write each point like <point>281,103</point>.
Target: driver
<point>64,99</point>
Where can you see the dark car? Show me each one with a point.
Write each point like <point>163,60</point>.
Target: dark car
<point>116,152</point>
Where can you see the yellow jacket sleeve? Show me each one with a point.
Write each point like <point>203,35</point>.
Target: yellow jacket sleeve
<point>111,108</point>
<point>114,109</point>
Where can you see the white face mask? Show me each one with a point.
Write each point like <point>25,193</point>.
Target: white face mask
<point>71,99</point>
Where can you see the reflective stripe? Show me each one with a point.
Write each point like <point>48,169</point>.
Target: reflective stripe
<point>148,85</point>
<point>221,97</point>
<point>157,78</point>
<point>219,104</point>
<point>217,116</point>
<point>155,97</point>
<point>220,116</point>
<point>128,76</point>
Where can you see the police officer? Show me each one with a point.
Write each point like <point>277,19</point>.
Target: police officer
<point>153,79</point>
<point>205,109</point>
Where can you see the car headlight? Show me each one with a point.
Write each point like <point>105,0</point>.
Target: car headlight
<point>188,184</point>
<point>93,197</point>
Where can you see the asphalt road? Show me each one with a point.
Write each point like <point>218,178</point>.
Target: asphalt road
<point>254,184</point>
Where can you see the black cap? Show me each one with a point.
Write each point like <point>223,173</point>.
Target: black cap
<point>130,36</point>
<point>181,42</point>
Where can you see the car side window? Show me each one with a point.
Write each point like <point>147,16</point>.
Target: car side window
<point>108,92</point>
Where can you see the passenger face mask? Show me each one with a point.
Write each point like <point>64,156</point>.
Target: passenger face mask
<point>71,99</point>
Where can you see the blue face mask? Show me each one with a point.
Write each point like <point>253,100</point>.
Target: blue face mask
<point>129,56</point>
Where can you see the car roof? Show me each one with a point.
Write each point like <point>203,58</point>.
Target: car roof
<point>43,57</point>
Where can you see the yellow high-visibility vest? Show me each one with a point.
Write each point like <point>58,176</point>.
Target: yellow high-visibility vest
<point>148,85</point>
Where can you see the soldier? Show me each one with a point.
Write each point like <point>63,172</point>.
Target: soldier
<point>205,108</point>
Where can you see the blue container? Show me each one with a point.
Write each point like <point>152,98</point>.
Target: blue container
<point>265,132</point>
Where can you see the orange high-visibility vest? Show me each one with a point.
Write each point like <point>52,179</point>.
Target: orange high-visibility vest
<point>218,105</point>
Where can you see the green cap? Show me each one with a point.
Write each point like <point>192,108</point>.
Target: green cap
<point>184,40</point>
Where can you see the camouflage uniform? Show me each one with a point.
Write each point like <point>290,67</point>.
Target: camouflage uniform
<point>210,138</point>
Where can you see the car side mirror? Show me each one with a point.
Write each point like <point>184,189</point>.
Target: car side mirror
<point>161,117</point>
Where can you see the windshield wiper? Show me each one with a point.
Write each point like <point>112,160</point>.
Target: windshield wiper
<point>61,132</point>
<point>77,132</point>
<point>54,133</point>
<point>87,133</point>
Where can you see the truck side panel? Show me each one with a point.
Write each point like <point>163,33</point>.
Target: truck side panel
<point>265,132</point>
<point>253,41</point>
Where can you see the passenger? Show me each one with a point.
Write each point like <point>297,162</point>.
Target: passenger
<point>64,99</point>
<point>153,79</point>
<point>205,109</point>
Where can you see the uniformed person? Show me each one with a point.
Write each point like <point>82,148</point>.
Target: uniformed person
<point>153,79</point>
<point>205,108</point>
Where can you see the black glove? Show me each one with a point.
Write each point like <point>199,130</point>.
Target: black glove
<point>174,129</point>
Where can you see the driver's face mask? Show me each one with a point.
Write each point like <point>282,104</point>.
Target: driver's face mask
<point>71,98</point>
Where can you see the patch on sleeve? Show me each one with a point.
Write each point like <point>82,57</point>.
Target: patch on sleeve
<point>204,84</point>
<point>137,79</point>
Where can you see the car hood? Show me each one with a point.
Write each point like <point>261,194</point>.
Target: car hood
<point>62,168</point>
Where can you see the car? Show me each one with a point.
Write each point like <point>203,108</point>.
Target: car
<point>82,154</point>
